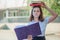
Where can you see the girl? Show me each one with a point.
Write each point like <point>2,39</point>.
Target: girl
<point>37,16</point>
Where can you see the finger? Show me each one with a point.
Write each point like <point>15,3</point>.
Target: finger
<point>43,3</point>
<point>29,36</point>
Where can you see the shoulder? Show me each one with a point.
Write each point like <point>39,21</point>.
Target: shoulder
<point>30,22</point>
<point>46,19</point>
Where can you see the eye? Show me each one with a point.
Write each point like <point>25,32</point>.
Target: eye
<point>34,11</point>
<point>38,11</point>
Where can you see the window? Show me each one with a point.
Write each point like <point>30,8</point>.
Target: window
<point>21,12</point>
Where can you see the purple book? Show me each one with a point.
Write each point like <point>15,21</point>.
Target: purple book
<point>23,32</point>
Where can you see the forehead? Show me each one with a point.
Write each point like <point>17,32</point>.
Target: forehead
<point>36,8</point>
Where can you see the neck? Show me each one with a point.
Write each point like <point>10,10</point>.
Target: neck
<point>36,19</point>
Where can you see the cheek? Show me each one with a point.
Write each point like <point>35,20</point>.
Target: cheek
<point>36,14</point>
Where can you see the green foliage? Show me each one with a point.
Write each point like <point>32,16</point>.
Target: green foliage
<point>56,6</point>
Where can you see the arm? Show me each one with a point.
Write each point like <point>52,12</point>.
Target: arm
<point>53,14</point>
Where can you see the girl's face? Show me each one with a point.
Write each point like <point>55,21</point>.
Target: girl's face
<point>36,12</point>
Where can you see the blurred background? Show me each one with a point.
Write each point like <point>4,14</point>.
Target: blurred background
<point>17,12</point>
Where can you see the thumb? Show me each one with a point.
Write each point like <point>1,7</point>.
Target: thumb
<point>29,37</point>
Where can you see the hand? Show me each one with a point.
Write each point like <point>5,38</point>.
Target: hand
<point>29,37</point>
<point>43,4</point>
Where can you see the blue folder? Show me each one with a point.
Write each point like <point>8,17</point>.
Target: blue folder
<point>23,32</point>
